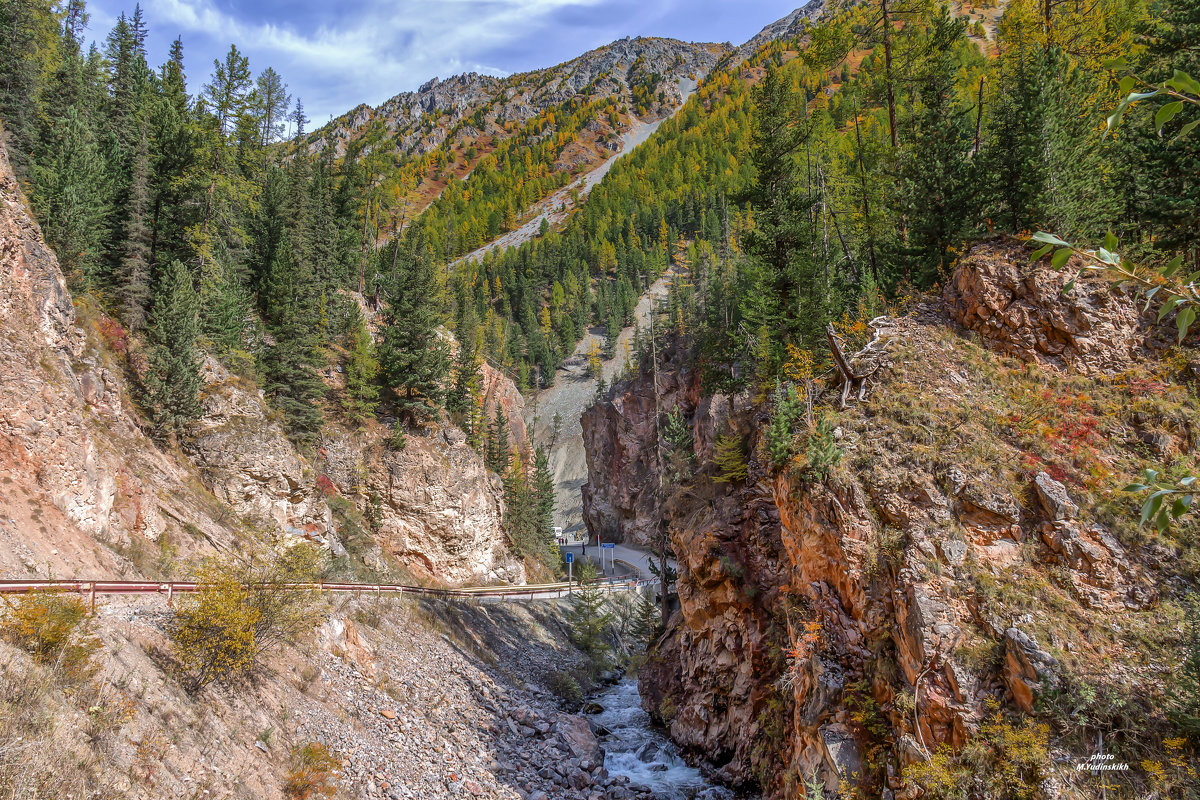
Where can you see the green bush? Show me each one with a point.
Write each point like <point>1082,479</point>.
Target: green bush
<point>565,687</point>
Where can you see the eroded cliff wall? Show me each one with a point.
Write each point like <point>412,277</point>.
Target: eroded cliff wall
<point>969,547</point>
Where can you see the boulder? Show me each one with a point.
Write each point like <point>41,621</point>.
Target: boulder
<point>1054,498</point>
<point>1028,670</point>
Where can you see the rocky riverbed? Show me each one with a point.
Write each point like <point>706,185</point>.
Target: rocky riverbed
<point>637,751</point>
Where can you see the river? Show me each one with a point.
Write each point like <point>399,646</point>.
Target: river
<point>639,751</point>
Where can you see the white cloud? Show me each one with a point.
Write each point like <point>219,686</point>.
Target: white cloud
<point>381,48</point>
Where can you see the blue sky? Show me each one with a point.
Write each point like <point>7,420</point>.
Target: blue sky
<point>338,54</point>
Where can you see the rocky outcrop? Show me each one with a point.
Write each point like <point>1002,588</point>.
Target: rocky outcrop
<point>248,462</point>
<point>436,509</point>
<point>1020,309</point>
<point>620,498</point>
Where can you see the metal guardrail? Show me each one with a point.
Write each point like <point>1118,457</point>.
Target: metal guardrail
<point>544,591</point>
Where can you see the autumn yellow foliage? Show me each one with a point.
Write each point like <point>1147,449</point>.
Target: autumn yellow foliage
<point>242,609</point>
<point>51,626</point>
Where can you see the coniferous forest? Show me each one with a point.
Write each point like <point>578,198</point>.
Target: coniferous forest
<point>814,182</point>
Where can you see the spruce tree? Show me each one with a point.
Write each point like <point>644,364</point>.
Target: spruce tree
<point>589,616</point>
<point>1013,144</point>
<point>788,295</point>
<point>415,360</point>
<point>499,451</point>
<point>133,270</point>
<point>172,383</point>
<point>939,180</point>
<point>465,400</point>
<point>1166,193</point>
<point>543,496</point>
<point>362,373</point>
<point>290,365</point>
<point>71,199</point>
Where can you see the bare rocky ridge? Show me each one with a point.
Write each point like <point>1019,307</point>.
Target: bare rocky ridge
<point>609,70</point>
<point>937,539</point>
<point>789,27</point>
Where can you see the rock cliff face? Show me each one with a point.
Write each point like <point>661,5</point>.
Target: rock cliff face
<point>620,498</point>
<point>965,548</point>
<point>437,511</point>
<point>84,491</point>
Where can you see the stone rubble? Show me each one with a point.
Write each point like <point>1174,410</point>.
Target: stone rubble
<point>413,716</point>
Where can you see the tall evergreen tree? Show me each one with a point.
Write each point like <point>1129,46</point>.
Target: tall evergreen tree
<point>499,450</point>
<point>271,100</point>
<point>133,270</point>
<point>415,360</point>
<point>1163,178</point>
<point>362,373</point>
<point>290,364</point>
<point>790,298</point>
<point>542,492</point>
<point>71,198</point>
<point>173,378</point>
<point>938,176</point>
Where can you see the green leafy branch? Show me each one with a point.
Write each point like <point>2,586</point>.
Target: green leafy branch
<point>1181,88</point>
<point>1166,501</point>
<point>1178,291</point>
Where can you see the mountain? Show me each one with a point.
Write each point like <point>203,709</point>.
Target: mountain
<point>474,108</point>
<point>791,26</point>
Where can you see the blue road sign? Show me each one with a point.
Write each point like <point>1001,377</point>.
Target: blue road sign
<point>570,558</point>
<point>608,544</point>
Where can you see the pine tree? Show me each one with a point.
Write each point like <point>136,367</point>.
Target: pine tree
<point>499,451</point>
<point>415,359</point>
<point>172,383</point>
<point>227,94</point>
<point>133,271</point>
<point>71,199</point>
<point>362,371</point>
<point>271,101</point>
